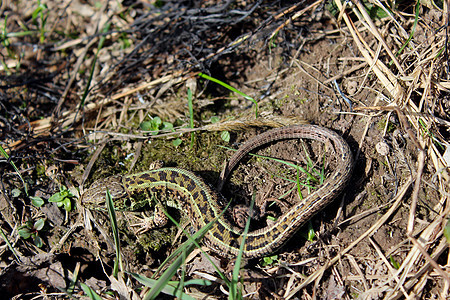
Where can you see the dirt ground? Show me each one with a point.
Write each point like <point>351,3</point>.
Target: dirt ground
<point>83,82</point>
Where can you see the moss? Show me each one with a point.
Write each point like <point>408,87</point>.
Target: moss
<point>204,157</point>
<point>157,239</point>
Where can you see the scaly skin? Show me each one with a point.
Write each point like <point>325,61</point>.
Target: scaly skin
<point>203,205</point>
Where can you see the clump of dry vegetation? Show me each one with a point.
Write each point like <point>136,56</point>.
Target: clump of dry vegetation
<point>91,89</point>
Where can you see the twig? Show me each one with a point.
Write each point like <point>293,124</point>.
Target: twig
<point>415,194</point>
<point>429,259</point>
<point>295,16</point>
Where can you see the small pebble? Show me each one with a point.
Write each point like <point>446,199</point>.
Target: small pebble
<point>382,148</point>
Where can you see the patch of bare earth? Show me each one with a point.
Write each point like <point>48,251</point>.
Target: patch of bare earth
<point>75,101</point>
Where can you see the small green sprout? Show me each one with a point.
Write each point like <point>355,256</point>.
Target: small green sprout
<point>155,125</point>
<point>311,232</point>
<point>41,12</point>
<point>269,260</point>
<point>30,229</point>
<point>225,135</point>
<point>37,201</point>
<point>62,198</point>
<point>394,263</point>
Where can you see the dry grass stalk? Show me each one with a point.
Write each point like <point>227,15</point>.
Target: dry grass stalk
<point>420,76</point>
<point>370,231</point>
<point>386,77</point>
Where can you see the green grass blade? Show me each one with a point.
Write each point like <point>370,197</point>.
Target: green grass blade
<point>90,292</point>
<point>227,86</point>
<point>171,287</point>
<point>193,240</point>
<point>94,61</point>
<point>161,284</point>
<point>114,227</point>
<point>180,285</point>
<point>413,30</point>
<point>5,155</point>
<point>5,238</point>
<point>73,281</point>
<point>236,293</point>
<point>289,164</point>
<point>191,115</point>
<point>177,257</point>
